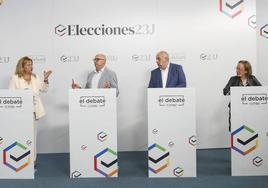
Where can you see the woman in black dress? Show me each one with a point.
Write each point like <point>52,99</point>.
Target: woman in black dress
<point>243,77</point>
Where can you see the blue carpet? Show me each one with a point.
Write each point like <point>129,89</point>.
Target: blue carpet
<point>213,170</point>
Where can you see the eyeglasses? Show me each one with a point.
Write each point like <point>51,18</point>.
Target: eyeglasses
<point>97,59</point>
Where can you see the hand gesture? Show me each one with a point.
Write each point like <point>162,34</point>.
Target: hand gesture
<point>75,86</point>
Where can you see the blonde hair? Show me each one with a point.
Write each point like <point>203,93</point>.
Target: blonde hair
<point>20,65</point>
<point>247,66</point>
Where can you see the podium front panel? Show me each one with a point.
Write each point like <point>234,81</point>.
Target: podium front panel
<point>249,131</point>
<point>171,132</point>
<point>93,133</point>
<point>16,134</point>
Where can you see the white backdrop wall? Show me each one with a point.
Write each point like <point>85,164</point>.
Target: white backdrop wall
<point>205,41</point>
<point>262,40</point>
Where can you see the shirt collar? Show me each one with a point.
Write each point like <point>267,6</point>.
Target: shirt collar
<point>95,71</point>
<point>166,67</point>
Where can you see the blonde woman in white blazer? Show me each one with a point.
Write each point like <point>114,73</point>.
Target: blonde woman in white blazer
<point>24,78</point>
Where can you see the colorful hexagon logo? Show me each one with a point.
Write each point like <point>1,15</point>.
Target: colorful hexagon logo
<point>105,162</point>
<point>231,8</point>
<point>244,140</point>
<point>16,156</point>
<point>158,158</point>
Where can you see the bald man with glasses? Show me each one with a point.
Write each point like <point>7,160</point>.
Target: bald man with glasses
<point>101,77</point>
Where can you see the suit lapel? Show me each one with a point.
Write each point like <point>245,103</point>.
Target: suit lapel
<point>89,80</point>
<point>159,77</point>
<point>169,74</point>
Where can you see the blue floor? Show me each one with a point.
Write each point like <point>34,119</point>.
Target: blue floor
<point>213,170</point>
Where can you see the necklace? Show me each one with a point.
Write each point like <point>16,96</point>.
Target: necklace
<point>27,79</point>
<point>244,81</point>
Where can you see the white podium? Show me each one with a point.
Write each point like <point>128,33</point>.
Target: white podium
<point>16,134</point>
<point>249,131</point>
<point>93,133</point>
<point>171,132</point>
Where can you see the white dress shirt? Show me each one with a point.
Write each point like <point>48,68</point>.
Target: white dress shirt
<point>164,75</point>
<point>96,78</point>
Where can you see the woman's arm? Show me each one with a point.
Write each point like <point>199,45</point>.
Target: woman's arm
<point>226,90</point>
<point>255,81</point>
<point>42,85</point>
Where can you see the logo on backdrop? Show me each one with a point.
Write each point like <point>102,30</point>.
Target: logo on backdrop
<point>76,174</point>
<point>4,59</point>
<point>193,140</point>
<point>178,172</point>
<point>171,100</point>
<point>92,101</point>
<point>104,30</point>
<point>141,58</point>
<point>254,99</point>
<point>252,21</point>
<point>231,8</point>
<point>60,30</point>
<point>257,161</point>
<point>244,140</point>
<point>158,158</point>
<point>38,59</point>
<point>69,58</point>
<point>10,102</point>
<point>111,58</point>
<point>176,57</point>
<point>264,31</point>
<point>16,156</point>
<point>102,136</point>
<point>105,162</point>
<point>209,56</point>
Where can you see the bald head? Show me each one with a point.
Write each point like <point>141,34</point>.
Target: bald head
<point>162,59</point>
<point>99,61</point>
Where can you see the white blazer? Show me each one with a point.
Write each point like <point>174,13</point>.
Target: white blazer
<point>37,86</point>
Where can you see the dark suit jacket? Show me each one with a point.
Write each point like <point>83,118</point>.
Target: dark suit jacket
<point>235,81</point>
<point>176,77</point>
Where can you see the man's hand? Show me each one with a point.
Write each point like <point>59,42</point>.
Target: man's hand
<point>106,85</point>
<point>75,86</point>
